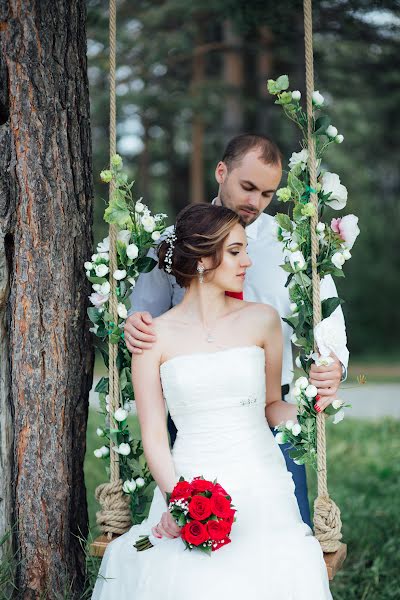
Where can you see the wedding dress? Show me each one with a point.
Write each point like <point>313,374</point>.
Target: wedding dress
<point>217,402</point>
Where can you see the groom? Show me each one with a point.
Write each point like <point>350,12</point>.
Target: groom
<point>248,176</point>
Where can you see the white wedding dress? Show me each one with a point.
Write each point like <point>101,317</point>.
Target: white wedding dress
<point>217,402</point>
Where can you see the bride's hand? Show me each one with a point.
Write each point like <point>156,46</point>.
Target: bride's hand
<point>167,527</point>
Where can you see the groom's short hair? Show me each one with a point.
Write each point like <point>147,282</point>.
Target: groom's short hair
<point>240,145</point>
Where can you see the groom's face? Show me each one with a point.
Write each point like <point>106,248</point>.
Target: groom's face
<point>249,186</point>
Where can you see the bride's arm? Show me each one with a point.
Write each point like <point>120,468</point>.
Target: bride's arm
<point>152,417</point>
<point>276,409</point>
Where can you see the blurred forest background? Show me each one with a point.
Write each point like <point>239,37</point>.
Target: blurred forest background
<point>193,74</point>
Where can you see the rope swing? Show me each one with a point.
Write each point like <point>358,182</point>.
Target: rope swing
<point>115,516</point>
<point>327,522</point>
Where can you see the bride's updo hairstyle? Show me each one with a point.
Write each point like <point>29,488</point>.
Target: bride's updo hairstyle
<point>200,231</point>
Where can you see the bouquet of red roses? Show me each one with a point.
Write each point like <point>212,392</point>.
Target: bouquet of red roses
<point>204,511</point>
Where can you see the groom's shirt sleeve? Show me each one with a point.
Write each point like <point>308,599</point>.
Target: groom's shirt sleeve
<point>153,291</point>
<point>328,290</point>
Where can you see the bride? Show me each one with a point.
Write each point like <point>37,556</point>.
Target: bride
<point>216,367</point>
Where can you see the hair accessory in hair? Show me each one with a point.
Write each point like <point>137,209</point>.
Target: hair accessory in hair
<point>170,239</point>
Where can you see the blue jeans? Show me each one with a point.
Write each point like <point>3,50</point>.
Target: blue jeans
<point>298,471</point>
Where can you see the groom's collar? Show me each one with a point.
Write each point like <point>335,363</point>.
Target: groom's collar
<point>251,230</point>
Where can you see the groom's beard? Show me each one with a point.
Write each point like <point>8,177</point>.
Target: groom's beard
<point>247,218</point>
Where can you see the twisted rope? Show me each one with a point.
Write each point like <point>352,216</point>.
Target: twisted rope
<point>327,522</point>
<point>115,516</point>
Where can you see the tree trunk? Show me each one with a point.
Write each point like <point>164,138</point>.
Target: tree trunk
<point>197,187</point>
<point>46,220</point>
<point>233,77</point>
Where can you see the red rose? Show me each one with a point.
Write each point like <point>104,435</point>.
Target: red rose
<point>199,508</point>
<point>218,530</point>
<point>201,485</point>
<point>181,490</point>
<point>220,506</point>
<point>218,489</point>
<point>220,544</point>
<point>194,533</point>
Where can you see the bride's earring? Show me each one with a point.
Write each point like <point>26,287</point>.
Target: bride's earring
<point>200,270</point>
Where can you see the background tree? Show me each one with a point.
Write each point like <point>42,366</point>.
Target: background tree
<point>46,357</point>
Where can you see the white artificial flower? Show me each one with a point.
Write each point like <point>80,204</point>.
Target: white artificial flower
<point>317,98</point>
<point>297,260</point>
<point>100,432</point>
<point>104,246</point>
<point>329,337</point>
<point>129,486</point>
<point>280,438</point>
<point>119,274</point>
<point>123,449</point>
<point>132,281</point>
<point>331,131</point>
<point>296,391</point>
<point>97,287</point>
<point>296,95</point>
<point>88,266</point>
<point>296,429</point>
<point>139,207</point>
<point>124,236</point>
<point>298,362</point>
<point>148,223</point>
<point>320,227</point>
<point>122,310</point>
<point>289,424</point>
<point>132,251</point>
<point>346,254</point>
<point>331,184</point>
<point>339,138</point>
<point>337,403</point>
<point>301,382</point>
<point>155,236</point>
<point>105,288</point>
<point>311,391</point>
<point>140,482</point>
<point>98,299</point>
<point>322,361</point>
<point>299,158</point>
<point>101,270</point>
<point>338,260</point>
<point>120,414</point>
<point>339,416</point>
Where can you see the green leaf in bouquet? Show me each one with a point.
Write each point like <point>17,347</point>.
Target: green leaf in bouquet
<point>94,279</point>
<point>284,221</point>
<point>94,314</point>
<point>145,264</point>
<point>321,125</point>
<point>117,212</point>
<point>295,184</point>
<point>329,305</point>
<point>102,385</point>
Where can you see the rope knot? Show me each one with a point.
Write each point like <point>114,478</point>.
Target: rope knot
<point>327,523</point>
<point>115,516</point>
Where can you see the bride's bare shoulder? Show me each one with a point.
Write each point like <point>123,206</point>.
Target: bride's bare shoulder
<point>261,314</point>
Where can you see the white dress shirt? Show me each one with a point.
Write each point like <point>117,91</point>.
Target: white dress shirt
<point>156,292</point>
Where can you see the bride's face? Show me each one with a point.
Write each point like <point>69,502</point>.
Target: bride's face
<point>230,274</point>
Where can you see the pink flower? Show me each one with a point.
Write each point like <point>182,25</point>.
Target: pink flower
<point>98,299</point>
<point>347,228</point>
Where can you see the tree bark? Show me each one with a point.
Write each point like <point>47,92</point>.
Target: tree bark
<point>46,235</point>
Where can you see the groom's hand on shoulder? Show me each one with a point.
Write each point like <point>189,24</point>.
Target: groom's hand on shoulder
<point>139,332</point>
<point>327,381</point>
